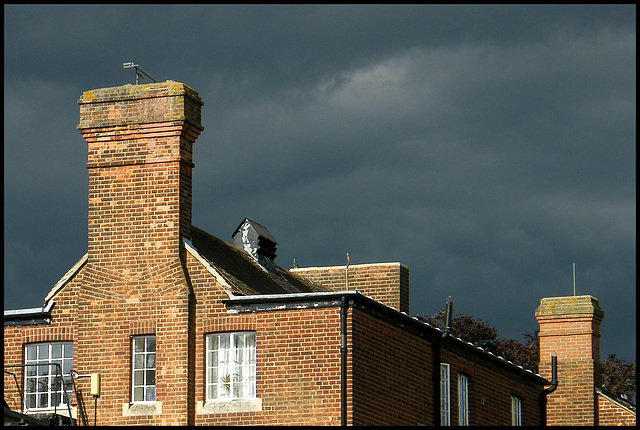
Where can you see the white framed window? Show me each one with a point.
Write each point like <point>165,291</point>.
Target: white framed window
<point>516,411</point>
<point>43,385</point>
<point>143,372</point>
<point>463,400</point>
<point>445,394</point>
<point>231,366</point>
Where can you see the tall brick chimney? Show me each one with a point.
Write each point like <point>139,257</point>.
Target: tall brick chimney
<point>570,330</point>
<point>135,283</point>
<point>140,140</point>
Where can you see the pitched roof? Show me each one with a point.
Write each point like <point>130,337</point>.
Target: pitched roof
<point>240,271</point>
<point>243,274</point>
<point>66,278</point>
<point>623,403</point>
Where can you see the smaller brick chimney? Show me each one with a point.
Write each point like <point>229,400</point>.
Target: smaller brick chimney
<point>387,283</point>
<point>570,330</point>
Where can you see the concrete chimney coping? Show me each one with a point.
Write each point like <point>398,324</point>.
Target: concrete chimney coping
<point>135,92</point>
<point>129,105</point>
<point>569,307</point>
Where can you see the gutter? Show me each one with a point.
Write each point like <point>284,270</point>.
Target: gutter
<point>289,297</point>
<point>287,301</point>
<point>29,316</point>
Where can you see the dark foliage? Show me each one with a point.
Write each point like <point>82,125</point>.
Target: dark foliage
<point>481,334</point>
<point>619,377</point>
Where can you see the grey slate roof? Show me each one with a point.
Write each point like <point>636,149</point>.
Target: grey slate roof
<point>243,274</point>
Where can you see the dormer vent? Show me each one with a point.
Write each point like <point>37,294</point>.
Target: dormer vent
<point>256,240</point>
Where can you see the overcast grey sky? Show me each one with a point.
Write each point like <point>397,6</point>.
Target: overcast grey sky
<point>487,148</point>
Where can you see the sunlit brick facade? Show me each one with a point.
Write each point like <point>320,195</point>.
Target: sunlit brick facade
<point>186,329</point>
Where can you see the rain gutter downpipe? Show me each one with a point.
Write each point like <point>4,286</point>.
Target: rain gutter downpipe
<point>344,305</point>
<point>554,376</point>
<point>550,389</point>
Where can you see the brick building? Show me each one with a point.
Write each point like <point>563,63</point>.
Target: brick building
<point>184,328</point>
<point>570,330</point>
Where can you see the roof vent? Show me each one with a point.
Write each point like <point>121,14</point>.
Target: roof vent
<point>256,240</point>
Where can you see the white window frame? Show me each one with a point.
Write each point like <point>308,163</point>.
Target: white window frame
<point>516,411</point>
<point>445,394</point>
<point>143,369</point>
<point>40,382</point>
<point>463,400</point>
<point>230,366</point>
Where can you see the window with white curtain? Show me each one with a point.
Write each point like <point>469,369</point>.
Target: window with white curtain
<point>43,384</point>
<point>463,400</point>
<point>445,395</point>
<point>231,366</point>
<point>516,411</point>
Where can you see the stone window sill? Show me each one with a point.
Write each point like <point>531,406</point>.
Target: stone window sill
<point>221,407</point>
<point>138,409</point>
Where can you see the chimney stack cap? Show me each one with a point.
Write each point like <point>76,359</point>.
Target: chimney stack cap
<point>134,92</point>
<point>569,306</point>
<point>137,104</point>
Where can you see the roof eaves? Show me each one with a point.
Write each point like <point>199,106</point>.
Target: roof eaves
<point>210,268</point>
<point>623,403</point>
<point>279,299</point>
<point>28,316</point>
<point>266,298</point>
<point>469,345</point>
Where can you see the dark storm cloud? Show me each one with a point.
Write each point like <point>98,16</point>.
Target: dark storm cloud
<point>488,148</point>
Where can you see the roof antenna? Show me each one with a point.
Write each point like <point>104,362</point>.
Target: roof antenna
<point>139,72</point>
<point>574,279</point>
<point>346,273</point>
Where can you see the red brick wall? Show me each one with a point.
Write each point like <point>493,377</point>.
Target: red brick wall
<point>391,374</point>
<point>385,282</point>
<point>298,358</point>
<point>298,362</point>
<point>139,159</point>
<point>611,414</point>
<point>105,328</point>
<point>490,391</point>
<point>569,329</point>
<point>392,380</point>
<point>62,328</point>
